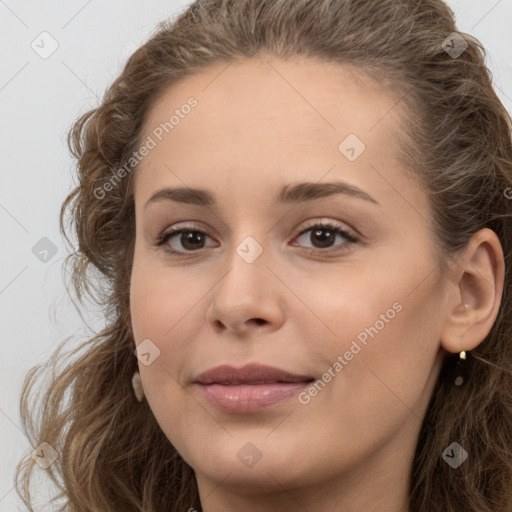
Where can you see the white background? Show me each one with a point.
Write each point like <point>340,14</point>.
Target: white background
<point>39,99</point>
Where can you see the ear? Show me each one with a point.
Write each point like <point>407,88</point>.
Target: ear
<point>476,287</point>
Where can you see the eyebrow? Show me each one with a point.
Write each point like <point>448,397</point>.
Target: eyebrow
<point>288,194</point>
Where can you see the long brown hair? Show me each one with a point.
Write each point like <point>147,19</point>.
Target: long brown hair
<point>112,454</point>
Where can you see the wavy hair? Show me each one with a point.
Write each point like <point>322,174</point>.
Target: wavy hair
<point>112,454</point>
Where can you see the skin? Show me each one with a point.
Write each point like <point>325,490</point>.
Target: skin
<point>260,124</point>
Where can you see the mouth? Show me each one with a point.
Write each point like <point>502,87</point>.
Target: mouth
<point>250,388</point>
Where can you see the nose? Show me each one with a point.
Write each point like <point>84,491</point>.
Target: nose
<point>247,298</point>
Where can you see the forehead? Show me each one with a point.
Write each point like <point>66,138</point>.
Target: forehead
<point>302,94</point>
<point>264,118</point>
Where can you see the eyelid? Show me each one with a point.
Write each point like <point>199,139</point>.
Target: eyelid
<point>332,224</point>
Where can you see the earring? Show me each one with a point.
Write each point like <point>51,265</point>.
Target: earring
<point>461,370</point>
<point>137,386</point>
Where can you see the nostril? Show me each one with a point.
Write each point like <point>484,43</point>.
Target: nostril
<point>260,321</point>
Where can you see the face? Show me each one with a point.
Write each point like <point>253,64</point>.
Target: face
<point>335,287</point>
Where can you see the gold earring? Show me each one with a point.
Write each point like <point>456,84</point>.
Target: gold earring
<point>461,370</point>
<point>137,386</point>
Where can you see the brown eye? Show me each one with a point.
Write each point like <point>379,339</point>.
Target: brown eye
<point>323,236</point>
<point>183,240</point>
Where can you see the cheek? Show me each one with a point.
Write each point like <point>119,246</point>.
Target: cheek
<point>161,310</point>
<point>159,298</point>
<point>386,331</point>
<point>167,310</point>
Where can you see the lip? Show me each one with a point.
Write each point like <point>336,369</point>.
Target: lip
<point>250,388</point>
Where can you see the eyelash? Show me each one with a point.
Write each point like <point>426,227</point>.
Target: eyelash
<point>337,230</point>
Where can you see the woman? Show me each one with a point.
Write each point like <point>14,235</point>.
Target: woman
<point>298,213</point>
